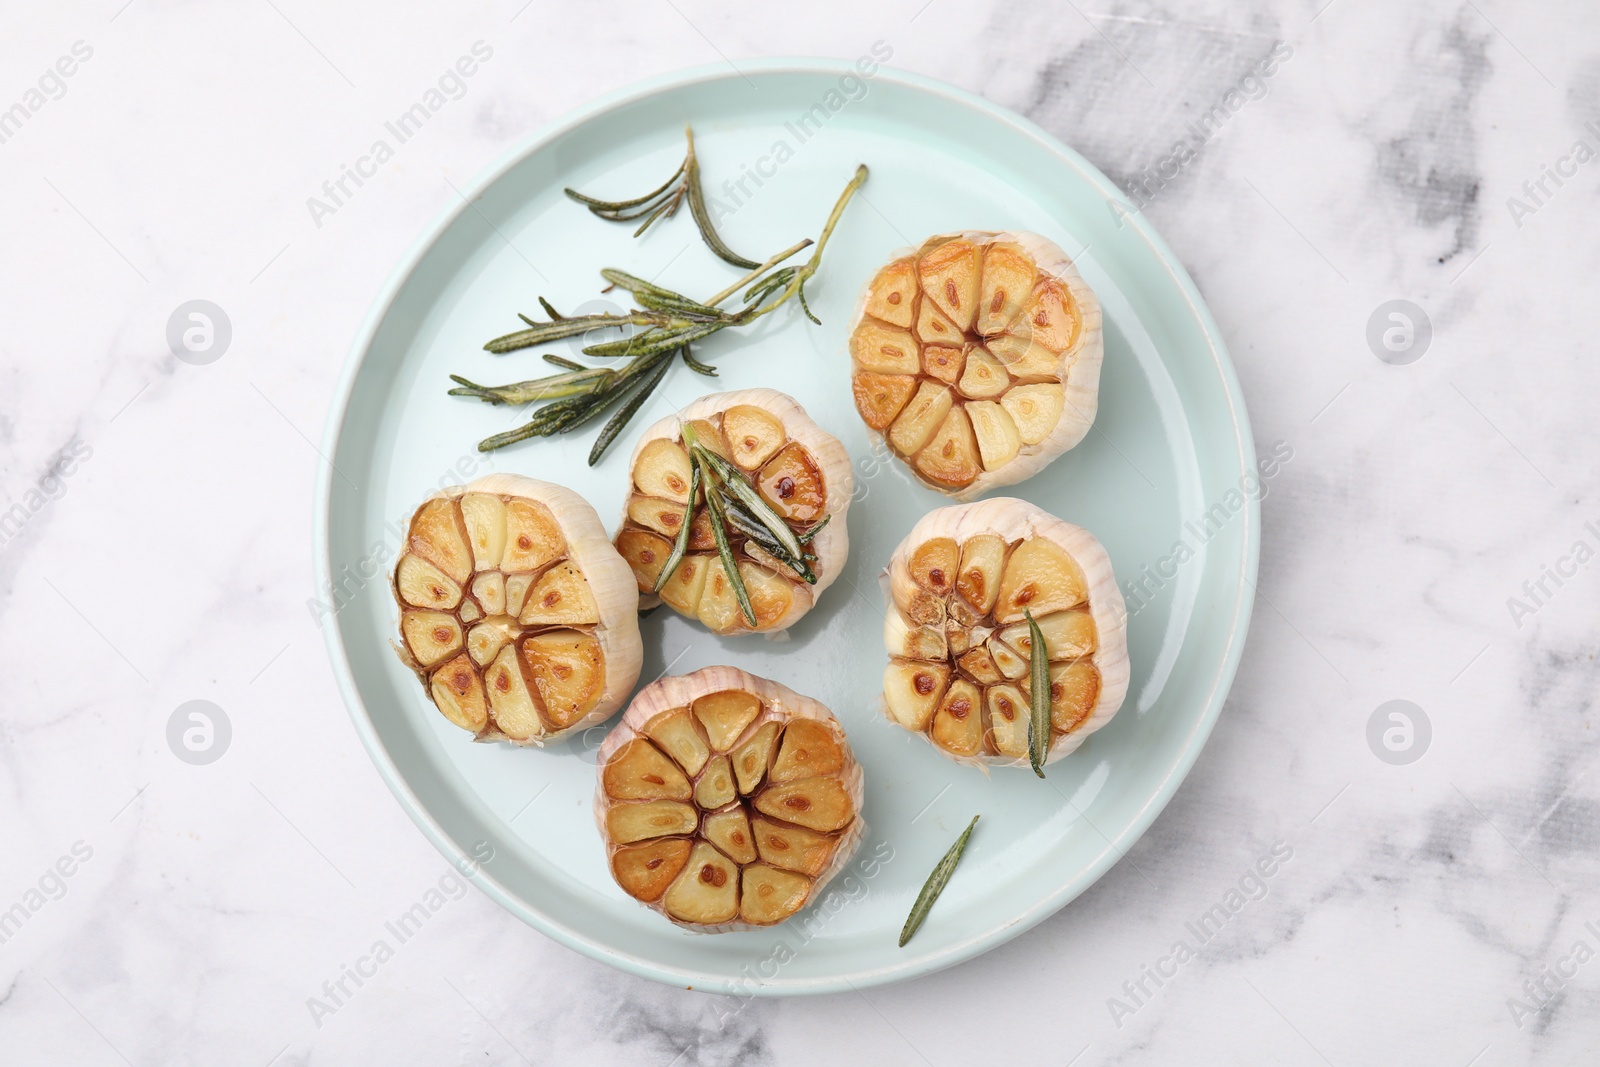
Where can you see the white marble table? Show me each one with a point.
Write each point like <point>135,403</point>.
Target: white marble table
<point>1431,540</point>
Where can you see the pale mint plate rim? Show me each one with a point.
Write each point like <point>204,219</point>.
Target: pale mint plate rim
<point>954,954</point>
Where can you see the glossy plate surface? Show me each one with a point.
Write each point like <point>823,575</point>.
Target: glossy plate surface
<point>1171,441</point>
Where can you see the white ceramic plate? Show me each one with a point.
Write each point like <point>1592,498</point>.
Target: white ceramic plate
<point>1171,441</point>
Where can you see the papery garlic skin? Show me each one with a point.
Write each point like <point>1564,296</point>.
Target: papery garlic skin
<point>968,380</point>
<point>517,614</point>
<point>958,644</point>
<point>659,479</point>
<point>720,746</point>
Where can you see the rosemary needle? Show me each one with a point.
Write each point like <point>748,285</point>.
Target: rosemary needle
<point>1039,696</point>
<point>935,885</point>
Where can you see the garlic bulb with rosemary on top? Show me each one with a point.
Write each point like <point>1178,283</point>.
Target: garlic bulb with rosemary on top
<point>516,613</point>
<point>962,586</point>
<point>727,801</point>
<point>737,512</point>
<point>976,358</point>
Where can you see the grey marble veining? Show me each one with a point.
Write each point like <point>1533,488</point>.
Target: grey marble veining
<point>1431,540</point>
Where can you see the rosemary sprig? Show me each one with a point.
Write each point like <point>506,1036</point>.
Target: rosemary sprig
<point>935,885</point>
<point>663,202</point>
<point>666,323</point>
<point>1038,696</point>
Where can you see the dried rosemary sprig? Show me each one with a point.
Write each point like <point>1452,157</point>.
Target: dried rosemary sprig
<point>663,202</point>
<point>935,884</point>
<point>1038,696</point>
<point>666,324</point>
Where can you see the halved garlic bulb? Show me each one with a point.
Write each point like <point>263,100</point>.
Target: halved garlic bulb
<point>977,358</point>
<point>516,613</point>
<point>797,470</point>
<point>727,801</point>
<point>958,638</point>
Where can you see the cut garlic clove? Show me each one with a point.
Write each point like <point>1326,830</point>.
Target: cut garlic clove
<point>430,636</point>
<point>808,748</point>
<point>970,698</point>
<point>640,771</point>
<point>715,787</point>
<point>661,469</point>
<point>949,276</point>
<point>1001,318</point>
<point>754,756</point>
<point>511,699</point>
<point>1008,720</point>
<point>485,518</point>
<point>1067,635</point>
<point>665,517</point>
<point>568,667</point>
<point>1035,410</point>
<point>533,535</point>
<point>560,597</point>
<point>879,397</point>
<point>725,715</point>
<point>920,417</point>
<point>730,832</point>
<point>1040,577</point>
<point>912,690</point>
<point>753,435</point>
<point>998,439</point>
<point>645,871</point>
<point>983,377</point>
<point>768,818</point>
<point>880,349</point>
<point>814,803</point>
<point>489,589</point>
<point>423,585</point>
<point>457,691</point>
<point>958,721</point>
<point>950,458</point>
<point>794,475</point>
<point>707,892</point>
<point>1008,276</point>
<point>768,895</point>
<point>892,293</point>
<point>645,819</point>
<point>676,735</point>
<point>793,848</point>
<point>438,536</point>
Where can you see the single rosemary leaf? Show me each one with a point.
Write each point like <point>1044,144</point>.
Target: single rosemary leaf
<point>935,885</point>
<point>562,361</point>
<point>811,534</point>
<point>619,205</point>
<point>725,550</point>
<point>800,291</point>
<point>556,331</point>
<point>733,479</point>
<point>555,316</point>
<point>627,411</point>
<point>666,207</point>
<point>702,217</point>
<point>574,383</point>
<point>1038,696</point>
<point>695,365</point>
<point>635,284</point>
<point>681,544</point>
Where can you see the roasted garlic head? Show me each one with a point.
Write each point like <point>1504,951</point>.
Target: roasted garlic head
<point>770,489</point>
<point>727,801</point>
<point>958,636</point>
<point>976,358</point>
<point>516,612</point>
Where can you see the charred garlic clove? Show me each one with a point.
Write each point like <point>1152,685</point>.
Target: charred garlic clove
<point>516,613</point>
<point>764,534</point>
<point>977,358</point>
<point>727,801</point>
<point>982,568</point>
